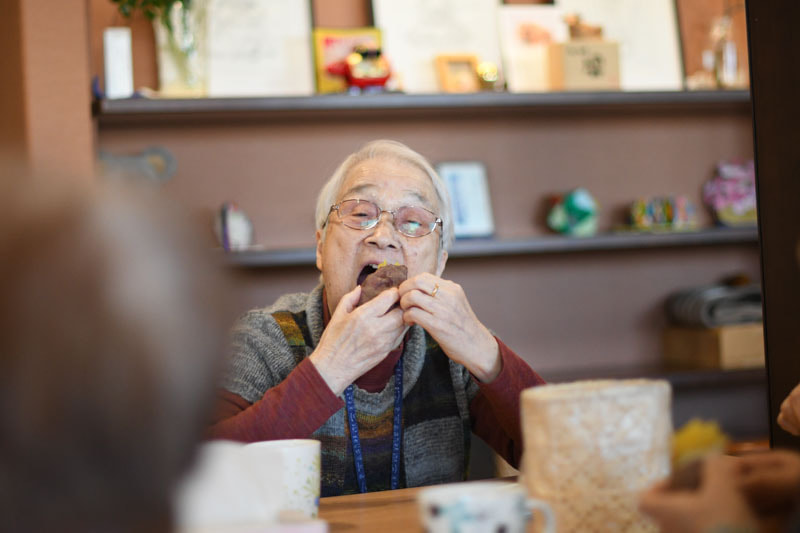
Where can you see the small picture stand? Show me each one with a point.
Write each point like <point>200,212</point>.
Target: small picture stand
<point>469,193</point>
<point>458,73</point>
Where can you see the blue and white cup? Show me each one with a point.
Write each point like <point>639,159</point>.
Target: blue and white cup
<point>482,506</point>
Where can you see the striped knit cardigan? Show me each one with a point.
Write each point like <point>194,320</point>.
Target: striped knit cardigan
<point>269,343</point>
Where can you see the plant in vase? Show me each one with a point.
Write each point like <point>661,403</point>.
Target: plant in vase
<point>179,27</point>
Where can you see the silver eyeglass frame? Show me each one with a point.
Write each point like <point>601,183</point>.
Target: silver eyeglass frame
<point>335,207</point>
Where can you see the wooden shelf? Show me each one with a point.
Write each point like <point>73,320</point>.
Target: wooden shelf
<point>540,245</point>
<point>337,105</point>
<point>680,379</point>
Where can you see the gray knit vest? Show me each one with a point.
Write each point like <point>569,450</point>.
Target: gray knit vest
<point>436,394</point>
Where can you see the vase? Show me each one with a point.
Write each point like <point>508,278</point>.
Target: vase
<point>181,50</point>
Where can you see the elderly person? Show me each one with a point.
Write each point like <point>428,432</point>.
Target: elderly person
<point>392,388</point>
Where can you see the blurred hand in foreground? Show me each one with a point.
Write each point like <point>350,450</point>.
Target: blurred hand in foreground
<point>756,492</point>
<point>717,503</point>
<point>789,417</point>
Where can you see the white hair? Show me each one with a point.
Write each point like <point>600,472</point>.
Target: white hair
<point>395,151</point>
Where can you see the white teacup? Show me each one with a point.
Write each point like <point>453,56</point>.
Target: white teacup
<point>298,461</point>
<point>222,490</point>
<point>481,506</point>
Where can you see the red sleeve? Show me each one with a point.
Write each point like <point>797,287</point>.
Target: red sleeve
<point>292,410</point>
<point>495,412</point>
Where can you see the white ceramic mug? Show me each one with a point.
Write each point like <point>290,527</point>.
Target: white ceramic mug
<point>223,490</point>
<point>299,463</point>
<point>481,506</point>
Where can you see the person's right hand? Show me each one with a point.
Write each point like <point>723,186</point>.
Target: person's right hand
<point>718,503</point>
<point>789,417</point>
<point>358,338</point>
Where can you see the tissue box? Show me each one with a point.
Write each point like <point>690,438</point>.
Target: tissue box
<point>584,66</point>
<point>726,347</point>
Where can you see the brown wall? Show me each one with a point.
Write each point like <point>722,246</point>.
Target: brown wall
<point>273,169</point>
<point>45,85</point>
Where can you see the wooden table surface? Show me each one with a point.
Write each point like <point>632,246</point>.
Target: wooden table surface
<point>382,512</point>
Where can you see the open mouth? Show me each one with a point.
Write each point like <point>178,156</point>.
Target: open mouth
<point>366,271</point>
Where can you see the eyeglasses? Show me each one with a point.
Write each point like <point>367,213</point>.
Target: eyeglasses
<point>411,221</point>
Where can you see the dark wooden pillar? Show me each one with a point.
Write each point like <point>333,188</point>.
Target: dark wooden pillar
<point>775,80</point>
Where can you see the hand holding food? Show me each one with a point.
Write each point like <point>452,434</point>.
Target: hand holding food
<point>716,505</point>
<point>385,277</point>
<point>358,337</point>
<point>690,446</point>
<point>442,309</point>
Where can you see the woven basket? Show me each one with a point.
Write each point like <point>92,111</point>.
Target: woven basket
<point>592,446</point>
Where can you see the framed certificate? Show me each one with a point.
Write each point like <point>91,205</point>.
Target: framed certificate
<point>259,48</point>
<point>647,33</point>
<point>469,194</point>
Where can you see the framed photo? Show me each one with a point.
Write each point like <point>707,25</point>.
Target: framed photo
<point>458,73</point>
<point>469,194</point>
<point>334,44</point>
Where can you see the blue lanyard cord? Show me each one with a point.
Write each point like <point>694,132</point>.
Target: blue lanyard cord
<point>397,425</point>
<point>397,430</point>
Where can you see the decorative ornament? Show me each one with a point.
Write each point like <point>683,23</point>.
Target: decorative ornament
<point>365,69</point>
<point>574,214</point>
<point>233,228</point>
<point>669,213</point>
<point>731,193</point>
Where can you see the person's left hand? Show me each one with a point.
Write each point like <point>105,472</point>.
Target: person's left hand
<point>441,308</point>
<point>770,481</point>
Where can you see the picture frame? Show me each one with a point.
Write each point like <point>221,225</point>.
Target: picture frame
<point>335,44</point>
<point>457,73</point>
<point>469,195</point>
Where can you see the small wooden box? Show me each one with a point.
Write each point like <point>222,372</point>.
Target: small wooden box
<point>584,66</point>
<point>726,347</point>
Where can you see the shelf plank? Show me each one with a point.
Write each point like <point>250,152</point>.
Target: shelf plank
<point>162,109</point>
<point>539,245</point>
<point>680,379</point>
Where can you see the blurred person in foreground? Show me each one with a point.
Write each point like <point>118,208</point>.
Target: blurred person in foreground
<point>109,341</point>
<point>757,492</point>
<point>394,387</point>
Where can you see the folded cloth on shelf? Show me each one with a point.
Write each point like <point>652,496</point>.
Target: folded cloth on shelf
<point>716,305</point>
